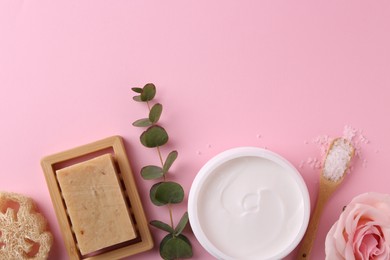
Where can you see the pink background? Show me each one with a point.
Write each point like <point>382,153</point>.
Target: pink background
<point>273,74</point>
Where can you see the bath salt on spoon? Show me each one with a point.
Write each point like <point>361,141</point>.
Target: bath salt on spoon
<point>336,163</point>
<point>337,160</point>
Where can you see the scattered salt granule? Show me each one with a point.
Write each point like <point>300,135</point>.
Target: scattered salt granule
<point>314,163</point>
<point>301,164</point>
<point>349,133</point>
<point>365,163</point>
<point>323,143</point>
<point>357,139</point>
<point>337,159</point>
<point>353,135</point>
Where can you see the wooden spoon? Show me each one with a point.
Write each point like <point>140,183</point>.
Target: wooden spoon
<point>335,166</point>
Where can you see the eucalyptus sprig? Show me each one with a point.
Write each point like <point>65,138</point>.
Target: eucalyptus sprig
<point>174,245</point>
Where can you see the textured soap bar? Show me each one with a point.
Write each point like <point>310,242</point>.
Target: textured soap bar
<point>95,204</point>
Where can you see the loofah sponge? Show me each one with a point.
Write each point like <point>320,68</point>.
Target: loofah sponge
<point>23,230</point>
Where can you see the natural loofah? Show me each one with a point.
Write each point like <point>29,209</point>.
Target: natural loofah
<point>23,230</point>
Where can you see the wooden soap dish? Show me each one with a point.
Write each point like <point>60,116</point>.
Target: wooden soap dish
<point>114,146</point>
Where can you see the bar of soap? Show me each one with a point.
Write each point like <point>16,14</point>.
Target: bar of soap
<point>95,204</point>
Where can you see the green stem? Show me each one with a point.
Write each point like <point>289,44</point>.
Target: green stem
<point>170,215</point>
<point>164,178</point>
<point>169,205</point>
<point>161,159</point>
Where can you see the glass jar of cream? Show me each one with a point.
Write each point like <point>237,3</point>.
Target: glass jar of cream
<point>248,203</point>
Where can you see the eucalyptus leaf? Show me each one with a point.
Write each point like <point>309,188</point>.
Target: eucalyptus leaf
<point>148,92</point>
<point>182,224</point>
<point>137,98</point>
<point>169,161</point>
<point>143,122</point>
<point>169,192</point>
<point>154,136</point>
<point>163,226</point>
<point>155,113</point>
<point>151,172</point>
<point>137,90</point>
<point>175,247</point>
<point>152,195</point>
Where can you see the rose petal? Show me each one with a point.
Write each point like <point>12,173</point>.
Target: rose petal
<point>362,231</point>
<point>368,246</point>
<point>331,252</point>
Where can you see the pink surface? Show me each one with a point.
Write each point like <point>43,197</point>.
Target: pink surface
<point>273,74</point>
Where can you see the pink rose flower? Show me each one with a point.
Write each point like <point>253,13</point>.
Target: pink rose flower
<point>362,231</point>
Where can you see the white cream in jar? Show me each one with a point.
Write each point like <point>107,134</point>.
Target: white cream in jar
<point>248,203</point>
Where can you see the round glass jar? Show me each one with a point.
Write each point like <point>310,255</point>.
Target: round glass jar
<point>248,203</point>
